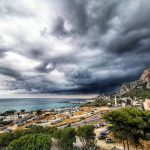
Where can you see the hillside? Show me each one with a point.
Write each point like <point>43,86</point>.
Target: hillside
<point>142,93</point>
<point>138,88</point>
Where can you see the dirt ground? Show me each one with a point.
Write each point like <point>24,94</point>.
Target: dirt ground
<point>103,145</point>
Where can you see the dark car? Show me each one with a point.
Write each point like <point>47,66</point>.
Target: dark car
<point>109,140</point>
<point>20,124</point>
<point>29,126</point>
<point>100,137</point>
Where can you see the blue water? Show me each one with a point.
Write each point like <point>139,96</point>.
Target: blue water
<point>30,104</point>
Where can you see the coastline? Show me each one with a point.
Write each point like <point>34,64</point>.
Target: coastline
<point>49,117</point>
<point>34,104</point>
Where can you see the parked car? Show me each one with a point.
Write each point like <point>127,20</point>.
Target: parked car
<point>36,117</point>
<point>97,126</point>
<point>101,136</point>
<point>106,131</point>
<point>104,134</point>
<point>54,122</point>
<point>30,126</point>
<point>68,125</point>
<point>109,140</point>
<point>102,125</point>
<point>20,124</point>
<point>7,130</point>
<point>44,121</point>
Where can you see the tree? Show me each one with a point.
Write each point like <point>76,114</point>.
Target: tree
<point>31,142</point>
<point>7,138</point>
<point>39,112</point>
<point>65,138</point>
<point>127,125</point>
<point>22,111</point>
<point>9,112</point>
<point>87,136</point>
<point>146,129</point>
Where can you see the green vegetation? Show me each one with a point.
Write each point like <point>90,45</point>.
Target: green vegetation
<point>22,110</point>
<point>39,112</point>
<point>40,138</point>
<point>141,93</point>
<point>31,142</point>
<point>99,103</point>
<point>129,125</point>
<point>7,138</point>
<point>9,112</point>
<point>87,136</point>
<point>65,138</point>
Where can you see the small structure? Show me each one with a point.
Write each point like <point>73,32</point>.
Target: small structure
<point>136,104</point>
<point>123,104</point>
<point>146,104</point>
<point>115,101</point>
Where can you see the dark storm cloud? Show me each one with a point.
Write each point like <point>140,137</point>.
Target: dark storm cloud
<point>138,20</point>
<point>102,13</point>
<point>129,42</point>
<point>76,13</point>
<point>9,72</point>
<point>36,53</point>
<point>74,46</point>
<point>92,82</point>
<point>58,27</point>
<point>45,67</point>
<point>2,53</point>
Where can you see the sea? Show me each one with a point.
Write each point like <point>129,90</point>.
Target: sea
<point>31,104</point>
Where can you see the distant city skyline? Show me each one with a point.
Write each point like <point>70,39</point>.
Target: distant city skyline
<point>72,47</point>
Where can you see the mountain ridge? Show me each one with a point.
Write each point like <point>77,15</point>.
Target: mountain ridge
<point>142,83</point>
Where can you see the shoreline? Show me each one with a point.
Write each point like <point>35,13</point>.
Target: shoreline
<point>34,105</point>
<point>50,118</point>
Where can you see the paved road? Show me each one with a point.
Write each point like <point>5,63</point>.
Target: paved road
<point>84,122</point>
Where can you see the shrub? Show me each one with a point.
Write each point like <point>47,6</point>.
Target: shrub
<point>6,138</point>
<point>31,142</point>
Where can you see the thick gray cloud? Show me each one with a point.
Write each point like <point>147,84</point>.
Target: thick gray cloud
<point>72,46</point>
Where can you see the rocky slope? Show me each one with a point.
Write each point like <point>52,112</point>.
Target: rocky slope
<point>145,77</point>
<point>142,83</point>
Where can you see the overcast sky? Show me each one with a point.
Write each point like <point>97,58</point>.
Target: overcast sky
<point>72,46</point>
